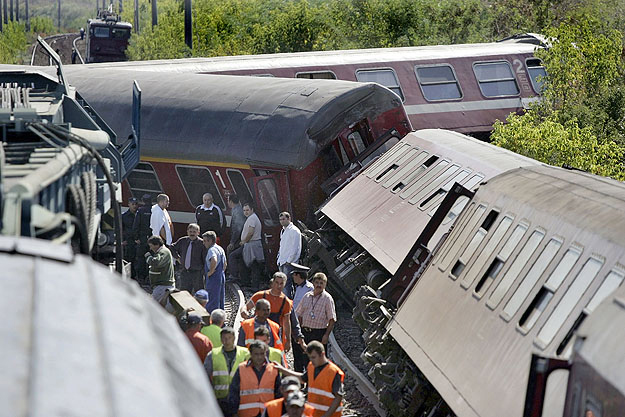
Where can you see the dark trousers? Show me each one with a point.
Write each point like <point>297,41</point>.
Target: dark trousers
<point>191,280</point>
<point>237,267</point>
<point>300,358</point>
<point>141,266</point>
<point>289,290</point>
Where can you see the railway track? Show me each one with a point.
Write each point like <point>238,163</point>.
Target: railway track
<point>62,43</point>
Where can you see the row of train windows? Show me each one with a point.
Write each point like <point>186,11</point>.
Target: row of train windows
<point>421,177</point>
<point>525,245</point>
<point>196,181</point>
<point>439,82</point>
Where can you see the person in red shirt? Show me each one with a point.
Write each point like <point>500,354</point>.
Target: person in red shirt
<point>200,342</point>
<point>281,306</point>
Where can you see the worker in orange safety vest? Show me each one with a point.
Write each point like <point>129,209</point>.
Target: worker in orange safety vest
<point>256,382</point>
<point>246,332</point>
<point>324,380</point>
<point>278,407</point>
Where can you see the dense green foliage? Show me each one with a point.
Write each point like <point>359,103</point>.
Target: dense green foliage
<point>580,120</point>
<point>74,13</point>
<point>13,43</point>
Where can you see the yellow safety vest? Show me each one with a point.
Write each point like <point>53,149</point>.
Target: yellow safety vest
<point>221,377</point>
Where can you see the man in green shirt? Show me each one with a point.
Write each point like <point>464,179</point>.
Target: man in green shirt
<point>161,265</point>
<point>218,317</point>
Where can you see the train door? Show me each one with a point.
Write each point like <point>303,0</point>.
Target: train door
<point>271,198</point>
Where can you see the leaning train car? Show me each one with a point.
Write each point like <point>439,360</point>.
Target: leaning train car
<point>61,164</point>
<point>107,38</point>
<point>596,383</point>
<point>532,254</point>
<point>80,340</point>
<point>464,88</point>
<point>283,144</point>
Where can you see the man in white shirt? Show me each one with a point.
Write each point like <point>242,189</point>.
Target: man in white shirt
<point>160,222</point>
<point>290,250</point>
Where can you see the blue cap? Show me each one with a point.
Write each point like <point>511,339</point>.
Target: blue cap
<point>201,294</point>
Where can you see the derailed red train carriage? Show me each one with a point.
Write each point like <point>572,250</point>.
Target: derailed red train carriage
<point>283,144</point>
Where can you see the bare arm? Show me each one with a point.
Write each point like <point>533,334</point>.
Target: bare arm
<point>245,311</point>
<point>289,372</point>
<point>326,335</point>
<point>335,404</point>
<point>213,266</point>
<point>248,237</point>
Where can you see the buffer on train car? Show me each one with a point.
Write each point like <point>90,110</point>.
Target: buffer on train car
<point>62,165</point>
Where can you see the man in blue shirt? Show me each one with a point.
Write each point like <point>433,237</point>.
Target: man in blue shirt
<point>214,269</point>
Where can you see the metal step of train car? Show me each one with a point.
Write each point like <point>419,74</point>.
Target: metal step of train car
<point>61,164</point>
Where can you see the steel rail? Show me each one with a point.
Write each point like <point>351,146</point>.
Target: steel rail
<point>363,384</point>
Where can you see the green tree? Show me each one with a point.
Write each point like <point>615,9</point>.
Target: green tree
<point>13,43</point>
<point>580,120</point>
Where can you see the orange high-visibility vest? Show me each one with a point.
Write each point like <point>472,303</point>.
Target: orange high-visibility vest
<point>248,328</point>
<point>320,395</point>
<point>274,408</point>
<point>254,394</point>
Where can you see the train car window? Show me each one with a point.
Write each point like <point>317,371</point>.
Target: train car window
<point>472,220</point>
<point>196,181</point>
<point>380,150</point>
<point>570,299</point>
<point>316,75</point>
<point>537,73</point>
<point>517,265</point>
<point>120,33</point>
<point>424,180</point>
<point>455,210</point>
<point>344,157</point>
<point>438,82</point>
<point>390,169</point>
<point>101,31</point>
<point>385,77</point>
<point>268,201</point>
<point>496,79</point>
<point>426,194</point>
<point>612,281</point>
<point>474,243</point>
<point>409,171</point>
<point>488,250</point>
<point>544,296</point>
<point>143,180</point>
<point>356,143</point>
<point>436,198</point>
<point>386,159</point>
<point>240,185</point>
<point>533,275</point>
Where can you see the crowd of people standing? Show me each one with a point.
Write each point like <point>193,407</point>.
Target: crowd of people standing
<point>249,372</point>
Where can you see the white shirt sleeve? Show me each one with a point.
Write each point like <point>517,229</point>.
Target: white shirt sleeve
<point>156,220</point>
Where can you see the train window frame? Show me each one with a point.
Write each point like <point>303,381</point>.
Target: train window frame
<point>425,195</point>
<point>396,164</point>
<point>247,186</point>
<point>574,293</point>
<point>145,190</point>
<point>222,206</point>
<point>401,96</point>
<point>518,264</point>
<point>435,83</point>
<point>472,219</point>
<point>425,177</point>
<point>124,30</point>
<point>476,240</point>
<point>378,166</point>
<point>95,31</point>
<point>523,290</point>
<point>297,75</point>
<point>493,242</point>
<point>435,198</point>
<point>454,239</point>
<point>529,73</point>
<point>494,80</point>
<point>353,142</point>
<point>412,169</point>
<point>267,219</point>
<point>558,274</point>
